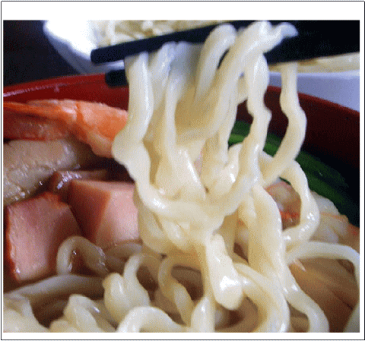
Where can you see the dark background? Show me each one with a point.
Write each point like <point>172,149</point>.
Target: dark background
<point>28,56</point>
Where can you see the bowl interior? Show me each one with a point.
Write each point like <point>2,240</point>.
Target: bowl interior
<point>333,131</point>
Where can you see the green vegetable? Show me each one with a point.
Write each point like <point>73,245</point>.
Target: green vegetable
<point>322,178</point>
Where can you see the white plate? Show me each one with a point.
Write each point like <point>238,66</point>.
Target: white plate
<point>339,87</point>
<point>74,41</point>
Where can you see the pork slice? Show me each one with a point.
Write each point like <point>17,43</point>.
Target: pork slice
<point>61,179</point>
<point>29,164</point>
<point>105,211</point>
<point>35,228</point>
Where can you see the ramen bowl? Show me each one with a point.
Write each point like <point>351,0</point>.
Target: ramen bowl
<point>319,143</point>
<point>338,87</point>
<point>333,131</point>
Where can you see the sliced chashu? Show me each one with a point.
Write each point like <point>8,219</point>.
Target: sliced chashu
<point>28,164</point>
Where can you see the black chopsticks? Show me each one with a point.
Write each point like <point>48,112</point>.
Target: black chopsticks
<point>315,39</point>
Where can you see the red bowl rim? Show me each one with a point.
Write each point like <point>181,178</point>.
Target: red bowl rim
<point>20,88</point>
<point>43,84</point>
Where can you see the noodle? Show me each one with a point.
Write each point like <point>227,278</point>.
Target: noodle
<point>198,201</point>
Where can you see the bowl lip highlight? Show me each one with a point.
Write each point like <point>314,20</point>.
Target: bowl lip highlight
<point>43,84</point>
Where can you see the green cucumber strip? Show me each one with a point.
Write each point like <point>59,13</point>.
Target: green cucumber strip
<point>309,163</point>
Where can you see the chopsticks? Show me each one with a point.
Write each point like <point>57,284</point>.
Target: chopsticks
<point>315,39</point>
<point>123,50</point>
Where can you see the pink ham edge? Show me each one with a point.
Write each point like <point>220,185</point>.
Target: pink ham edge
<point>61,179</point>
<point>35,229</point>
<point>105,211</point>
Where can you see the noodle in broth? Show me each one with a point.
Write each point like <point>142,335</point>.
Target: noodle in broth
<point>198,201</point>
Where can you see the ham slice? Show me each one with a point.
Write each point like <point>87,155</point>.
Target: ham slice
<point>105,211</point>
<point>35,228</point>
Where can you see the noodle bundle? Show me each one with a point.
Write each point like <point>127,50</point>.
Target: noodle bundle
<point>215,256</point>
